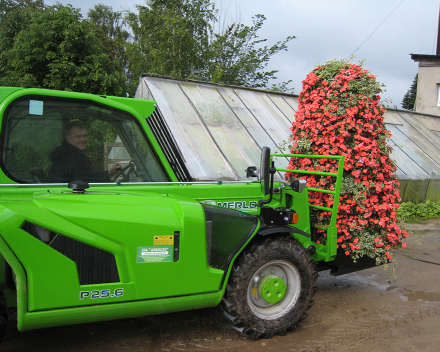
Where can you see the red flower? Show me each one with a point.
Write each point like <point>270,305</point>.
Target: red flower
<point>337,117</point>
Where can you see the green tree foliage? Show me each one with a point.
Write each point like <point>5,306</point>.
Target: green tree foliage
<point>55,48</point>
<point>237,57</point>
<point>170,37</point>
<point>409,99</point>
<point>177,38</point>
<point>14,17</point>
<point>113,26</point>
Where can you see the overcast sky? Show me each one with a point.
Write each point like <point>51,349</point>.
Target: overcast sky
<point>335,29</point>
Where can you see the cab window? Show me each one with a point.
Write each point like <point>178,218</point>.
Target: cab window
<point>54,140</point>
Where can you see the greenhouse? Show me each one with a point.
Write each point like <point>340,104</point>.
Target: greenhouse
<point>219,131</point>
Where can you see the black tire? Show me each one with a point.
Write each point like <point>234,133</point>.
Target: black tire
<point>3,315</point>
<point>263,263</point>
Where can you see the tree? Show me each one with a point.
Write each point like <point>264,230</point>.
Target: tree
<point>409,99</point>
<point>113,26</point>
<point>339,114</point>
<point>15,16</point>
<point>176,38</point>
<point>58,50</point>
<point>170,37</point>
<point>53,47</point>
<point>237,58</point>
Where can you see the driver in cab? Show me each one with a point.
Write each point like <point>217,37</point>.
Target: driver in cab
<point>69,163</point>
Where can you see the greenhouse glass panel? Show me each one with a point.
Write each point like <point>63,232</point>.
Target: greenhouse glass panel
<point>283,106</point>
<point>200,148</point>
<point>400,137</point>
<point>196,167</point>
<point>292,101</point>
<point>258,109</point>
<point>421,132</point>
<point>406,164</point>
<point>247,119</point>
<point>224,127</point>
<point>275,112</point>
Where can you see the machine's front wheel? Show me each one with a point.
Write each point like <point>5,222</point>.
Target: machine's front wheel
<point>270,288</point>
<point>3,315</point>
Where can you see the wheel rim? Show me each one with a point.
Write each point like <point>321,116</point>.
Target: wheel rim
<point>274,275</point>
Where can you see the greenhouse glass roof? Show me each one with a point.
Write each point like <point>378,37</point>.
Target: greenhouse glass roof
<point>220,131</point>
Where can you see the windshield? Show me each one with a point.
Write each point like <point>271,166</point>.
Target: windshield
<point>55,140</point>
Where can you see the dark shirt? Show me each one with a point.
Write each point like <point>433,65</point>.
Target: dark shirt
<point>70,163</point>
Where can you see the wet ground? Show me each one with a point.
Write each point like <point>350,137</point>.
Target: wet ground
<point>368,310</point>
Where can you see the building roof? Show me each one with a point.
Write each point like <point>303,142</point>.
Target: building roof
<point>420,57</point>
<point>221,129</point>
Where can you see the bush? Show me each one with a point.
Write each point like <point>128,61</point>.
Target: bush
<point>410,212</point>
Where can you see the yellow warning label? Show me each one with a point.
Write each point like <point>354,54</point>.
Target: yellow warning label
<point>163,240</point>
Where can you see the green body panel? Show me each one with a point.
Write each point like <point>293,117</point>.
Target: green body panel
<point>116,223</point>
<point>102,312</point>
<point>155,232</point>
<point>5,91</point>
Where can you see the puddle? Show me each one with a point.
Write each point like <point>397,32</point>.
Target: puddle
<point>415,296</point>
<point>407,295</point>
<point>369,280</point>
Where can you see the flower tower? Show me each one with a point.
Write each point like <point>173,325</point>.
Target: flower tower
<point>339,114</point>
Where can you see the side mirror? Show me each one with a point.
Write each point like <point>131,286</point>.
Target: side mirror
<point>265,170</point>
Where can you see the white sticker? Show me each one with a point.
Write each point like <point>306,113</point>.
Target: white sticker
<point>153,254</point>
<point>35,107</point>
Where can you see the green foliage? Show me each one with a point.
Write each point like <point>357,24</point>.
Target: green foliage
<point>56,49</point>
<point>176,38</point>
<point>409,99</point>
<point>15,16</point>
<point>112,25</point>
<point>237,57</point>
<point>410,212</point>
<point>53,47</point>
<point>170,37</point>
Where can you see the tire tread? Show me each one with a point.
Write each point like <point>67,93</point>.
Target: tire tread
<point>234,303</point>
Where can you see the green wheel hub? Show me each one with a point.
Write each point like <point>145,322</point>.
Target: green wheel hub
<point>272,288</point>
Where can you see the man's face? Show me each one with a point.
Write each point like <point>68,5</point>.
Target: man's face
<point>77,137</point>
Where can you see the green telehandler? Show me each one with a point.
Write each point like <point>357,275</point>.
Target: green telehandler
<point>146,239</point>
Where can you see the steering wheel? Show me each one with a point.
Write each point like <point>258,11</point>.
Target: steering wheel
<point>125,172</point>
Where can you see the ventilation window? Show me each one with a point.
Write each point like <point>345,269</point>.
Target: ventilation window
<point>168,145</point>
<point>94,265</point>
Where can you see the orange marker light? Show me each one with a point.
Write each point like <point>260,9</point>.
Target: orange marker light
<point>295,218</point>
